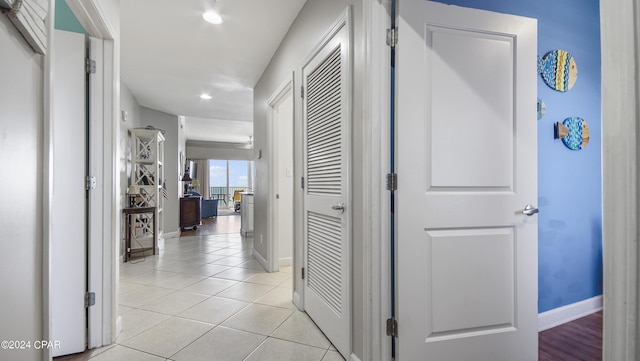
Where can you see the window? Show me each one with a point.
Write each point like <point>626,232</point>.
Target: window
<point>227,176</point>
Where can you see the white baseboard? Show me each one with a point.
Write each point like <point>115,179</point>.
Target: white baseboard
<point>261,260</point>
<point>568,313</point>
<point>160,244</point>
<point>118,328</point>
<point>297,300</point>
<point>288,261</point>
<point>175,234</point>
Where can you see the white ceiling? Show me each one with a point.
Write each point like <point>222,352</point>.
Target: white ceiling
<point>170,55</point>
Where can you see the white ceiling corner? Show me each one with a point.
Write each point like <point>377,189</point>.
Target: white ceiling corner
<point>218,130</point>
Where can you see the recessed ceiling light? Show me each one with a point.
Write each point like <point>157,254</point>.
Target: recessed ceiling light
<point>212,17</point>
<point>205,96</point>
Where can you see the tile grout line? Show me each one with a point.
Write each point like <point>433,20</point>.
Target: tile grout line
<point>248,265</point>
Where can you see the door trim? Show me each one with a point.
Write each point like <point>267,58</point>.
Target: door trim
<point>95,206</point>
<point>376,203</point>
<point>273,161</point>
<point>621,209</point>
<point>47,185</point>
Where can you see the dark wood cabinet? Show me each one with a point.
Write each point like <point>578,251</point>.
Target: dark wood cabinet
<point>190,212</point>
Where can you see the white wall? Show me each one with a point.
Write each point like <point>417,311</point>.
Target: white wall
<point>312,22</point>
<point>21,164</point>
<point>129,104</point>
<point>182,150</point>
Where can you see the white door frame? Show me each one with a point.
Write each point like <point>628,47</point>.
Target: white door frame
<point>96,216</point>
<point>98,19</point>
<point>376,200</point>
<point>620,34</point>
<point>273,219</point>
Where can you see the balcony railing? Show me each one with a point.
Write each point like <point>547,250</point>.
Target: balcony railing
<point>224,194</point>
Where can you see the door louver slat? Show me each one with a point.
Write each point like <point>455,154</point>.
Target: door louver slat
<point>324,242</point>
<point>324,119</point>
<point>318,108</point>
<point>330,67</point>
<point>324,144</point>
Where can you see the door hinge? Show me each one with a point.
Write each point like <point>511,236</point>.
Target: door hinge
<point>302,272</point>
<point>392,181</point>
<point>89,183</point>
<point>90,66</point>
<point>302,182</point>
<point>89,299</point>
<point>392,37</point>
<point>392,327</point>
<point>301,91</point>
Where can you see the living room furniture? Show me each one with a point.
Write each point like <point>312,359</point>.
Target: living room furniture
<point>221,197</point>
<point>236,200</point>
<point>139,223</point>
<point>209,207</point>
<point>246,214</point>
<point>147,173</point>
<point>190,215</point>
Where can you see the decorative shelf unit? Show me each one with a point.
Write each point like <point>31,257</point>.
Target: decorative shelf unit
<point>147,173</point>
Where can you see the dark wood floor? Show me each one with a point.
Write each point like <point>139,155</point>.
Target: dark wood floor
<point>579,340</point>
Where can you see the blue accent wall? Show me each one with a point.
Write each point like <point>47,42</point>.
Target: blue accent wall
<point>66,20</point>
<point>569,182</point>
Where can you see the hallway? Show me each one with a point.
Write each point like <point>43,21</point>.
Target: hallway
<point>206,298</point>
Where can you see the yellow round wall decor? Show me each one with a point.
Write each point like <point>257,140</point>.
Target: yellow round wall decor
<point>559,70</point>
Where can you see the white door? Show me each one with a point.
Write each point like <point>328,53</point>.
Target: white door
<point>327,210</point>
<point>467,167</point>
<point>281,130</point>
<point>68,206</point>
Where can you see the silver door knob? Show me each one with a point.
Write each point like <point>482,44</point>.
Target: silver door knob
<point>529,210</point>
<point>338,207</point>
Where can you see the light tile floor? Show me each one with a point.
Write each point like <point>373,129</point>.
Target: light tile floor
<point>206,298</point>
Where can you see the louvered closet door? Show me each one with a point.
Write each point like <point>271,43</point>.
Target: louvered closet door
<point>326,154</point>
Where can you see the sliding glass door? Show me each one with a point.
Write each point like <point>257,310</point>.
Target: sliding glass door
<point>228,176</point>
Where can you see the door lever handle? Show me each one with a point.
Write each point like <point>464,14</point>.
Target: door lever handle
<point>338,207</point>
<point>529,210</point>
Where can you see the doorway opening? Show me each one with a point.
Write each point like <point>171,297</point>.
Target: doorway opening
<point>281,166</point>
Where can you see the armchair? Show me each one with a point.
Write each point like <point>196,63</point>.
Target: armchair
<point>236,199</point>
